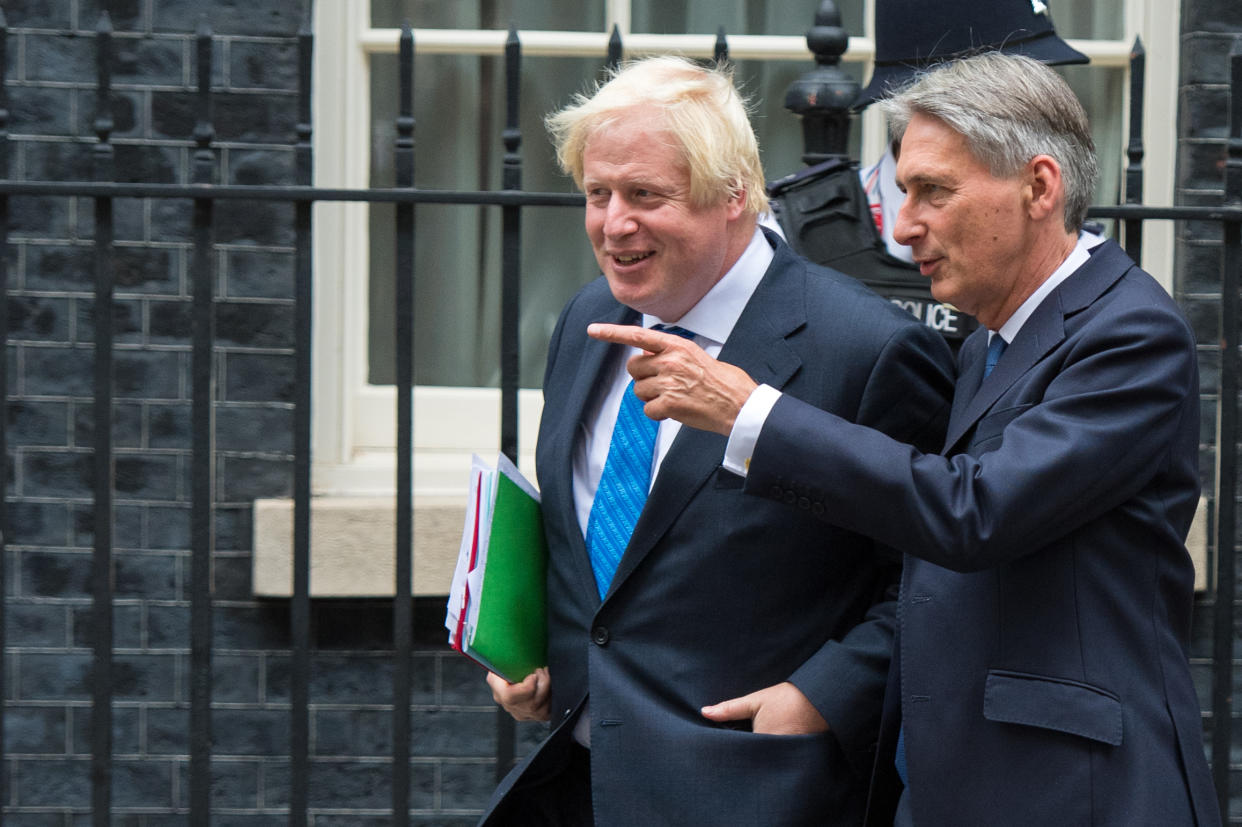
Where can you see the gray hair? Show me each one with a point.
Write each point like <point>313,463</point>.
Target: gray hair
<point>1009,108</point>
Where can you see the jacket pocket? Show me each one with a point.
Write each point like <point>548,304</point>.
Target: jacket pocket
<point>1053,703</point>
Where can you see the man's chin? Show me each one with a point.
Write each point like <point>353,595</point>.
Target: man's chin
<point>941,292</point>
<point>633,299</point>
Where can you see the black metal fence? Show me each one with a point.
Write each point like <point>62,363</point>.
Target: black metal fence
<point>205,194</point>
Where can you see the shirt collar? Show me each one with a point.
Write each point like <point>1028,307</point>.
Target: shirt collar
<point>1077,258</point>
<point>718,311</point>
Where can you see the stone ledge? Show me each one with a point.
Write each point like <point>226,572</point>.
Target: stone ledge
<point>352,546</point>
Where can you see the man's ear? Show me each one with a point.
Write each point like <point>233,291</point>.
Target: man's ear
<point>1045,187</point>
<point>737,201</point>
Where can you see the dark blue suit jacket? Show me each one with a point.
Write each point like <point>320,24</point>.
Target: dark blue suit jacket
<point>1045,608</point>
<point>719,594</point>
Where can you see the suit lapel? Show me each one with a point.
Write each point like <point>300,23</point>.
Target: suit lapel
<point>758,345</point>
<point>1041,333</point>
<point>970,372</point>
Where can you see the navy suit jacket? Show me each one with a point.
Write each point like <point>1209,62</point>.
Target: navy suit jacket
<point>719,594</point>
<point>1045,608</point>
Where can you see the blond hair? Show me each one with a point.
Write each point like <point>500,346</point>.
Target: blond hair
<point>702,111</point>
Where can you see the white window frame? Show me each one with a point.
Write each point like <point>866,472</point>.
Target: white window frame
<point>354,423</point>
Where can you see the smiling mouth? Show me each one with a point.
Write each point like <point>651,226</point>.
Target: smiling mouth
<point>632,259</point>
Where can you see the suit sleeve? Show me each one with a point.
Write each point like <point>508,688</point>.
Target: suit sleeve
<point>1122,393</point>
<point>906,396</point>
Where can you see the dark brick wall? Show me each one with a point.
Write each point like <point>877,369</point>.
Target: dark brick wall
<point>50,79</point>
<point>1209,31</point>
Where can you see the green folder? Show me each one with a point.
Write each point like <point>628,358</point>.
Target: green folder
<point>497,609</point>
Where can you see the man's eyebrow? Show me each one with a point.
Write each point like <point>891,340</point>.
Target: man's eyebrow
<point>920,178</point>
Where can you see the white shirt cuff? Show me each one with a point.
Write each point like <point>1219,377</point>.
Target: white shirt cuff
<point>746,428</point>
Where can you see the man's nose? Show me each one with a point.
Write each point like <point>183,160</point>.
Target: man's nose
<point>907,227</point>
<point>618,218</point>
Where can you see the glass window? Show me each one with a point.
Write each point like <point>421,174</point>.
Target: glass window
<point>457,249</point>
<point>556,15</point>
<point>1101,89</point>
<point>459,113</point>
<point>737,16</point>
<point>457,272</point>
<point>457,267</point>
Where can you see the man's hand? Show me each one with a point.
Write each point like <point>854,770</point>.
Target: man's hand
<point>525,701</point>
<point>776,710</point>
<point>678,380</point>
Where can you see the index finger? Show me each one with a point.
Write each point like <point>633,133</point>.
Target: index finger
<point>652,341</point>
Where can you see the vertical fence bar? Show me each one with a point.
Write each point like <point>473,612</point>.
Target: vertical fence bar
<point>202,494</point>
<point>510,314</point>
<point>1134,151</point>
<point>299,608</point>
<point>101,574</point>
<point>511,252</point>
<point>613,60</point>
<point>1227,451</point>
<point>720,51</point>
<point>402,610</point>
<point>4,379</point>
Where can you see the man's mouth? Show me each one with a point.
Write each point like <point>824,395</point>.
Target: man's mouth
<point>632,258</point>
<point>926,265</point>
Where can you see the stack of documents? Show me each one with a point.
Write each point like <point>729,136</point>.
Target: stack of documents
<point>497,607</point>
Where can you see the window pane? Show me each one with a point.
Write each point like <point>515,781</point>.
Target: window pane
<point>1098,20</point>
<point>737,16</point>
<point>554,15</point>
<point>457,248</point>
<point>1100,91</point>
<point>459,112</point>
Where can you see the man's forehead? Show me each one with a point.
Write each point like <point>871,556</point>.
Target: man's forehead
<point>929,146</point>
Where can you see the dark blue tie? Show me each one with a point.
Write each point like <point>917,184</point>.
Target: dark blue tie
<point>623,485</point>
<point>995,348</point>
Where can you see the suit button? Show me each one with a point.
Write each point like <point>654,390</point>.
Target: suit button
<point>804,503</point>
<point>599,635</point>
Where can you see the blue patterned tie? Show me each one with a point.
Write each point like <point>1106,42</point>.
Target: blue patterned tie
<point>995,348</point>
<point>623,485</point>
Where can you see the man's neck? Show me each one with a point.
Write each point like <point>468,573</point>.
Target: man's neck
<point>1076,257</point>
<point>1045,254</point>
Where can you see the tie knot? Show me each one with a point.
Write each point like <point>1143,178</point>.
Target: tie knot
<point>675,330</point>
